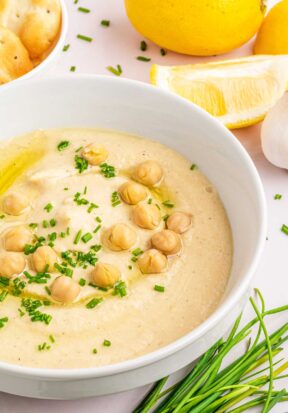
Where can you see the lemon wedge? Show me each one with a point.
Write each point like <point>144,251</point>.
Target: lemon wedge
<point>238,92</point>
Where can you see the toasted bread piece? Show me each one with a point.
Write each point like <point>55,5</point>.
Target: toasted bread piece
<point>36,22</point>
<point>14,58</point>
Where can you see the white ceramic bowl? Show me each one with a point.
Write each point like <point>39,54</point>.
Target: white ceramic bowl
<point>54,52</point>
<point>137,108</point>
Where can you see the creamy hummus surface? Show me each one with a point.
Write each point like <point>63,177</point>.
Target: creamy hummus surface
<point>56,192</point>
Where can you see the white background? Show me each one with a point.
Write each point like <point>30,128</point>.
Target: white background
<point>119,44</point>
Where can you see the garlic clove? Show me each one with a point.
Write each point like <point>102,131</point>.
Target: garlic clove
<point>274,134</point>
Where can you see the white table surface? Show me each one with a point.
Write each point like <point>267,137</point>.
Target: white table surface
<point>119,44</point>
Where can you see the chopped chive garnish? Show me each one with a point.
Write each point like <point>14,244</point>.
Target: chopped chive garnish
<point>47,289</point>
<point>51,338</point>
<point>91,207</point>
<point>79,149</point>
<point>87,237</point>
<point>63,145</point>
<point>143,58</point>
<point>84,10</point>
<point>53,222</point>
<point>165,217</point>
<point>115,199</point>
<point>116,71</point>
<point>143,46</point>
<point>284,229</point>
<point>85,190</point>
<point>66,47</point>
<point>63,269</point>
<point>120,289</point>
<point>3,295</point>
<point>130,267</point>
<point>277,196</point>
<point>94,351</point>
<point>76,1</point>
<point>97,229</point>
<point>4,281</point>
<point>78,236</point>
<point>107,343</point>
<point>105,23</point>
<point>98,219</point>
<point>82,282</point>
<point>193,166</point>
<point>48,207</point>
<point>65,189</point>
<point>3,321</point>
<point>73,69</point>
<point>107,170</point>
<point>137,252</point>
<point>33,225</point>
<point>63,234</point>
<point>168,204</point>
<point>94,302</point>
<point>85,38</point>
<point>80,163</point>
<point>45,224</point>
<point>159,288</point>
<point>163,52</point>
<point>96,248</point>
<point>149,201</point>
<point>2,216</point>
<point>32,309</point>
<point>52,237</point>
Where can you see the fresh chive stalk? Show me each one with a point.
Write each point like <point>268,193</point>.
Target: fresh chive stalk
<point>236,388</point>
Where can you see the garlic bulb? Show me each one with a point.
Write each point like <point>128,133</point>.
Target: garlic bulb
<point>274,134</point>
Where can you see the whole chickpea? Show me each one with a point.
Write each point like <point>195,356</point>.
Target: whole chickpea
<point>119,237</point>
<point>146,216</point>
<point>152,262</point>
<point>64,289</point>
<point>44,256</point>
<point>95,153</point>
<point>148,173</point>
<point>179,222</point>
<point>105,275</point>
<point>166,241</point>
<point>132,193</point>
<point>15,203</point>
<point>11,263</point>
<point>16,238</point>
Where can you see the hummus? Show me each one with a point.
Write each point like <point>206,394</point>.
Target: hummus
<point>58,194</point>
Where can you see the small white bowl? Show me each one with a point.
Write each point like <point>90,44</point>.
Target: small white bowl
<point>54,52</point>
<point>144,110</point>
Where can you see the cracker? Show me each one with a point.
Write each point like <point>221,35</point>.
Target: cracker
<point>36,22</point>
<point>14,58</point>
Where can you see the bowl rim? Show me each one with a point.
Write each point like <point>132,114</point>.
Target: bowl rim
<point>54,52</point>
<point>220,312</point>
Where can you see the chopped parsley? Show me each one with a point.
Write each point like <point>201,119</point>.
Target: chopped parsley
<point>159,288</point>
<point>105,23</point>
<point>63,145</point>
<point>115,199</point>
<point>116,71</point>
<point>168,204</point>
<point>108,171</point>
<point>94,302</point>
<point>80,163</point>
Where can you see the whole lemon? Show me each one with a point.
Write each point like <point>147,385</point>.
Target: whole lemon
<point>197,27</point>
<point>272,37</point>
